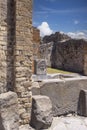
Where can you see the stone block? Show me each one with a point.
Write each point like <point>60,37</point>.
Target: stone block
<point>35,88</point>
<point>25,127</point>
<point>82,105</point>
<point>41,117</point>
<point>64,93</point>
<point>9,111</point>
<point>40,67</point>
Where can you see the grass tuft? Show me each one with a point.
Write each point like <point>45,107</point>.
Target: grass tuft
<point>52,71</point>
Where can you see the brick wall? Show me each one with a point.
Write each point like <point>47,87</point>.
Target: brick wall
<point>3,45</point>
<point>23,57</point>
<point>36,42</point>
<point>16,52</point>
<point>7,44</point>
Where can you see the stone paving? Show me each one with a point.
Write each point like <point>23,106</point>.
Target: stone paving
<point>69,123</point>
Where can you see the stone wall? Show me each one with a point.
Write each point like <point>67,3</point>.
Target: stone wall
<point>69,55</point>
<point>23,57</point>
<point>57,36</point>
<point>62,52</point>
<point>36,42</point>
<point>7,44</point>
<point>36,35</point>
<point>85,59</point>
<point>16,52</point>
<point>64,93</point>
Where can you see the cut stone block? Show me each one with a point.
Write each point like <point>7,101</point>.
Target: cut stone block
<point>41,117</point>
<point>9,111</point>
<point>82,105</point>
<point>35,88</point>
<point>40,67</point>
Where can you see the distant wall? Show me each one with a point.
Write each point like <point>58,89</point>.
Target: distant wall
<point>69,55</point>
<point>85,59</point>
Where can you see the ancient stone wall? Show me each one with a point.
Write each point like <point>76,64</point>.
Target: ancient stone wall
<point>3,45</point>
<point>23,57</point>
<point>85,59</point>
<point>7,44</point>
<point>36,42</point>
<point>62,52</point>
<point>69,55</point>
<point>36,35</point>
<point>16,52</point>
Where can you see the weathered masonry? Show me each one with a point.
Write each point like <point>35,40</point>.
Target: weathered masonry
<point>70,55</point>
<point>16,52</point>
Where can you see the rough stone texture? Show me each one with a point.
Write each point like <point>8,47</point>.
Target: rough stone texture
<point>36,44</point>
<point>82,109</point>
<point>23,58</point>
<point>69,122</point>
<point>46,52</point>
<point>64,93</point>
<point>69,55</point>
<point>16,52</point>
<point>7,43</point>
<point>35,88</point>
<point>41,117</point>
<point>36,37</point>
<point>9,111</point>
<point>40,67</point>
<point>55,38</point>
<point>25,127</point>
<point>85,59</point>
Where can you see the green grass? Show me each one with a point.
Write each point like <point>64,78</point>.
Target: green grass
<point>52,71</point>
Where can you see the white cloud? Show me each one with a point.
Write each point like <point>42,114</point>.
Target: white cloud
<point>45,29</point>
<point>78,35</point>
<point>76,22</point>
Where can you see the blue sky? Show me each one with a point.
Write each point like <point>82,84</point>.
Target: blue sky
<point>68,16</point>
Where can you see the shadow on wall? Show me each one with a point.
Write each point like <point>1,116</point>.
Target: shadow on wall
<point>11,41</point>
<point>1,125</point>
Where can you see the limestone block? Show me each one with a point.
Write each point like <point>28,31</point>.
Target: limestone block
<point>64,93</point>
<point>40,67</point>
<point>9,111</point>
<point>25,127</point>
<point>35,88</point>
<point>82,105</point>
<point>41,117</point>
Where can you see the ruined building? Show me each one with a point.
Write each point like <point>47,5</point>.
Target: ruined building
<point>16,52</point>
<point>70,54</point>
<point>16,56</point>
